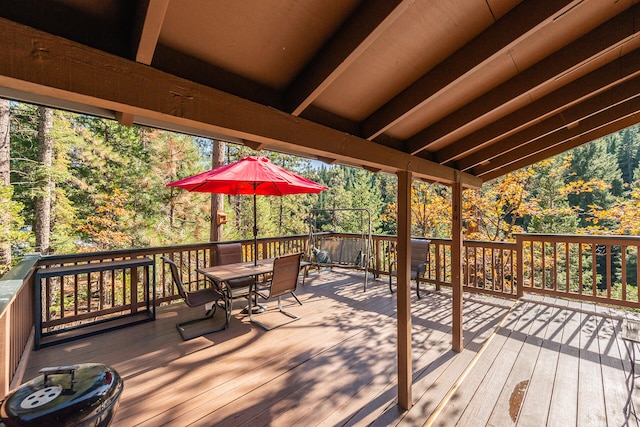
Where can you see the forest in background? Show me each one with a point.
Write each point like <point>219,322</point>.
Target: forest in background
<point>71,182</point>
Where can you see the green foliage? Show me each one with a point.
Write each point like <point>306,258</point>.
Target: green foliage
<point>349,188</point>
<point>11,223</point>
<point>110,190</point>
<point>625,146</point>
<point>592,162</point>
<point>548,208</point>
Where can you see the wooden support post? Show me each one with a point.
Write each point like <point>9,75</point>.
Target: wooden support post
<point>405,374</point>
<point>456,264</point>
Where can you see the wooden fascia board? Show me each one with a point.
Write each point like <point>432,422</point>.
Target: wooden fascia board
<point>612,33</point>
<point>43,64</point>
<point>528,160</point>
<point>365,26</point>
<point>597,81</point>
<point>519,21</point>
<point>589,107</point>
<point>585,127</point>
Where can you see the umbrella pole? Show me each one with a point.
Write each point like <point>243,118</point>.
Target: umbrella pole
<point>255,229</point>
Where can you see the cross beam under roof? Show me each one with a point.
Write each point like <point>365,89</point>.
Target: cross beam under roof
<point>36,62</point>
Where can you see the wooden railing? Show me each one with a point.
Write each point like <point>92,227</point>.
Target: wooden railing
<point>16,318</point>
<point>584,267</point>
<point>590,268</point>
<point>106,294</point>
<point>488,267</point>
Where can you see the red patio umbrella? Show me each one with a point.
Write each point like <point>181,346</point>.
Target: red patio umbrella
<point>250,175</point>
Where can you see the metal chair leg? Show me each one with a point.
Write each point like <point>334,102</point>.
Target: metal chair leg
<point>294,295</point>
<point>207,317</point>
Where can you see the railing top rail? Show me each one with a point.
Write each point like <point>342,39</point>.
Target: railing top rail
<point>12,282</point>
<point>579,238</point>
<point>123,253</point>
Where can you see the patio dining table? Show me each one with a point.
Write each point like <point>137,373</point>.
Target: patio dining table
<point>223,273</point>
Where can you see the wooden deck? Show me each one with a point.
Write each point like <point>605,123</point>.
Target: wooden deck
<point>532,362</point>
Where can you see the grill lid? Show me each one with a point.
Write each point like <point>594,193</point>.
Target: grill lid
<point>64,396</point>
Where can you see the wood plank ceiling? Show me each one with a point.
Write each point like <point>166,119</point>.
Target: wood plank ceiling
<point>478,86</point>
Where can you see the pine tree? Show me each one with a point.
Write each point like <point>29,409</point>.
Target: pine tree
<point>626,151</point>
<point>593,168</point>
<point>45,183</point>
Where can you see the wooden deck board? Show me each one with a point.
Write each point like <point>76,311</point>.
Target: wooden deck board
<point>481,321</point>
<point>536,402</point>
<point>563,410</point>
<point>632,386</point>
<point>337,365</point>
<point>613,374</point>
<point>591,407</point>
<point>486,366</point>
<point>486,398</point>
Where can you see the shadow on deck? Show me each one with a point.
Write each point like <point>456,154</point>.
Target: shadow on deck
<point>337,365</point>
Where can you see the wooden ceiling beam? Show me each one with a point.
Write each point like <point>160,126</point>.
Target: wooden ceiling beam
<point>255,146</point>
<point>612,33</point>
<point>602,119</point>
<point>326,160</point>
<point>148,26</point>
<point>564,146</point>
<point>593,83</point>
<point>520,20</point>
<point>578,112</point>
<point>40,63</point>
<point>149,30</point>
<point>124,118</point>
<point>370,20</point>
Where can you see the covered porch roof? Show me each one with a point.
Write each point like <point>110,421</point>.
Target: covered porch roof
<point>483,87</point>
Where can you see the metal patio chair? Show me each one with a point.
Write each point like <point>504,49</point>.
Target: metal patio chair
<point>284,280</point>
<point>231,253</point>
<point>211,296</point>
<point>419,251</point>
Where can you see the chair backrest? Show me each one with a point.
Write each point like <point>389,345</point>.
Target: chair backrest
<point>175,275</point>
<point>228,253</point>
<point>419,250</point>
<point>285,274</point>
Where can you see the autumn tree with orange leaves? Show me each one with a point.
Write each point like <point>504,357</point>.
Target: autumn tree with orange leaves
<point>104,227</point>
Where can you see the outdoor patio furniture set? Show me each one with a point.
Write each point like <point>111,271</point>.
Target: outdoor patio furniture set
<point>232,279</point>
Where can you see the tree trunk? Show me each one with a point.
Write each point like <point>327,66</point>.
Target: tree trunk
<point>5,247</point>
<point>4,142</point>
<point>43,201</point>
<point>217,200</point>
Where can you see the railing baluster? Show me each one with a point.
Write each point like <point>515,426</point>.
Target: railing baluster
<point>637,273</point>
<point>623,276</point>
<point>133,279</point>
<point>580,278</point>
<point>593,269</point>
<point>567,268</point>
<point>608,269</point>
<point>75,295</point>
